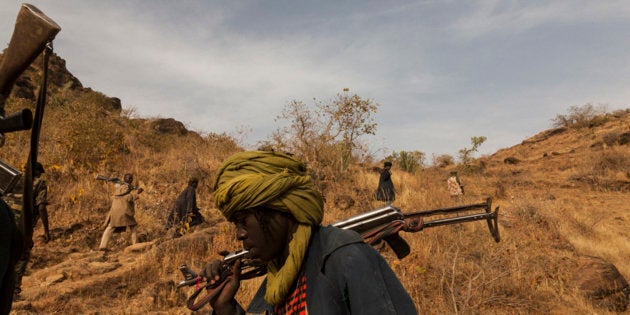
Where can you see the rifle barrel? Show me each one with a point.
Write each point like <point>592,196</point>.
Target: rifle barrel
<point>459,219</point>
<point>427,213</point>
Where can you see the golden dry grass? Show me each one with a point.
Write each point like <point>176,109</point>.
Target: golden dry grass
<point>564,199</point>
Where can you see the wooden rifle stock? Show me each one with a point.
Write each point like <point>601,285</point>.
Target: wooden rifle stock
<point>33,29</point>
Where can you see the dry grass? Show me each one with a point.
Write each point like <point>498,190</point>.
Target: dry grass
<point>553,208</point>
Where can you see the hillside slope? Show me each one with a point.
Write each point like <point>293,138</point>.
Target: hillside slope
<point>563,196</point>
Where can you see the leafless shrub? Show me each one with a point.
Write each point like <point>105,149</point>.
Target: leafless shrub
<point>610,161</point>
<point>443,160</point>
<point>611,138</point>
<point>581,117</point>
<point>619,113</point>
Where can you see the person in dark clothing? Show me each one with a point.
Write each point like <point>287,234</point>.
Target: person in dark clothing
<point>311,269</point>
<point>40,200</point>
<point>40,193</point>
<point>385,191</point>
<point>185,210</point>
<point>11,246</point>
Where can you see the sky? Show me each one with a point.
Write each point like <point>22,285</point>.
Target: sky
<point>442,72</point>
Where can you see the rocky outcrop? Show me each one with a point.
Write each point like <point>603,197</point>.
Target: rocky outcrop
<point>168,126</point>
<point>59,79</point>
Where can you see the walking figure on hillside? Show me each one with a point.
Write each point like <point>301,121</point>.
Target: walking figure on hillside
<point>311,269</point>
<point>40,200</point>
<point>185,213</point>
<point>122,212</point>
<point>40,193</point>
<point>385,191</point>
<point>455,187</point>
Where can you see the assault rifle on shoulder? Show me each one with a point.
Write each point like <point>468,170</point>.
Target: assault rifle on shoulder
<point>383,224</point>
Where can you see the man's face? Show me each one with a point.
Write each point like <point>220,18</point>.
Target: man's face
<point>265,233</point>
<point>128,179</point>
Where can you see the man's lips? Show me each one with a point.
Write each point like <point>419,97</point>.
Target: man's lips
<point>249,248</point>
<point>252,253</point>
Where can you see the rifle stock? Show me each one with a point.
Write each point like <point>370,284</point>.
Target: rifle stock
<point>33,29</point>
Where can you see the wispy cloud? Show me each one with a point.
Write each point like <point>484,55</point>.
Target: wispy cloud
<point>513,17</point>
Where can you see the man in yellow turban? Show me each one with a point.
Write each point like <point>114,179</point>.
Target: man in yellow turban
<point>311,269</point>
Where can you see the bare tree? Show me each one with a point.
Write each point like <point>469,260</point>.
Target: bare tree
<point>326,135</point>
<point>351,118</point>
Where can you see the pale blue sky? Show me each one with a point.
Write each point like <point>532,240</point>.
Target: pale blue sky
<point>442,71</point>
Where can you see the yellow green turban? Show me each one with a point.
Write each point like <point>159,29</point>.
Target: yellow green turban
<point>279,182</point>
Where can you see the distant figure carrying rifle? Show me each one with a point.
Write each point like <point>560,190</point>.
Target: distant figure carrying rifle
<point>121,215</point>
<point>15,200</point>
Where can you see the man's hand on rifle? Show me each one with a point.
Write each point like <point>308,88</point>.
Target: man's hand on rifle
<point>223,302</point>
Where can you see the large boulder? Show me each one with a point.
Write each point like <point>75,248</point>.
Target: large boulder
<point>600,282</point>
<point>169,126</point>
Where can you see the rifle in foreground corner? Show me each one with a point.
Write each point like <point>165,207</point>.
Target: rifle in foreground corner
<point>33,34</point>
<point>378,225</point>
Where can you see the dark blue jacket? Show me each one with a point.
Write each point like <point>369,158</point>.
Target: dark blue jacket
<point>345,276</point>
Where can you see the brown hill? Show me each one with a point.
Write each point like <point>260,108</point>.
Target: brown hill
<point>563,195</point>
